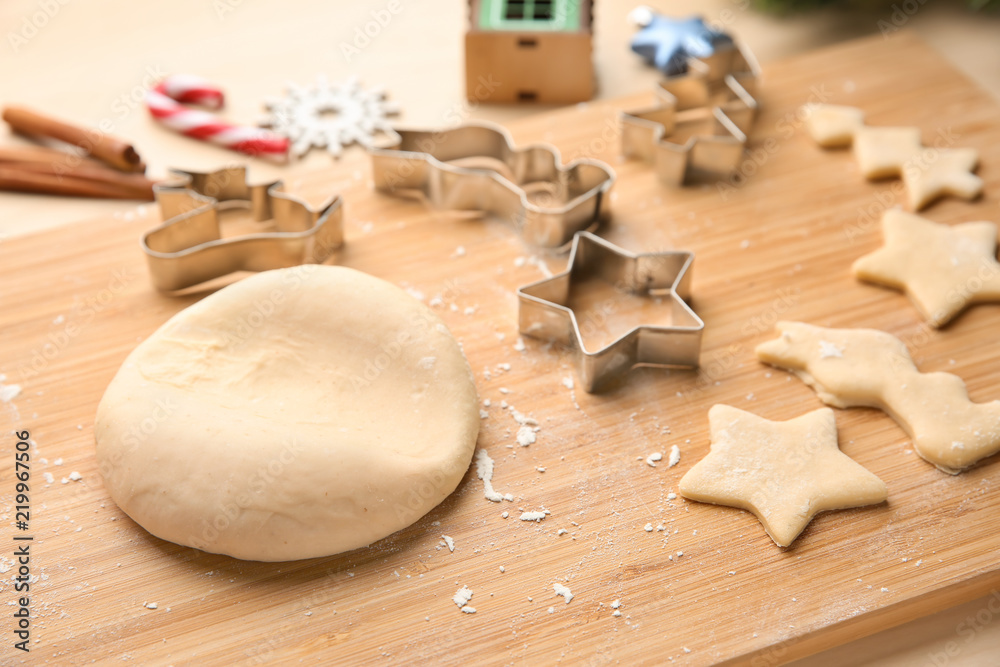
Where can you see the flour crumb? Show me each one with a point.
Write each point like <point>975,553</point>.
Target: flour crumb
<point>828,350</point>
<point>675,456</point>
<point>523,420</point>
<point>449,542</point>
<point>460,251</point>
<point>568,382</point>
<point>462,597</point>
<point>671,496</point>
<point>540,469</point>
<point>648,528</point>
<point>563,591</point>
<point>150,605</point>
<point>8,392</point>
<point>503,569</point>
<point>48,477</point>
<point>616,604</point>
<point>58,461</point>
<point>484,470</point>
<point>616,613</point>
<point>468,610</point>
<point>526,436</point>
<point>505,515</point>
<point>885,590</point>
<point>653,458</point>
<point>519,345</point>
<point>534,516</point>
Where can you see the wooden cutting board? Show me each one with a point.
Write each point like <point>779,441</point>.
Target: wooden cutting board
<point>779,244</point>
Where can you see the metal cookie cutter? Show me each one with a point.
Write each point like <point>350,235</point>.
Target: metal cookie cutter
<point>188,248</point>
<point>543,310</point>
<point>698,128</point>
<point>475,167</point>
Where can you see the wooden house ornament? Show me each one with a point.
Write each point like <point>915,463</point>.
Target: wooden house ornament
<point>529,51</point>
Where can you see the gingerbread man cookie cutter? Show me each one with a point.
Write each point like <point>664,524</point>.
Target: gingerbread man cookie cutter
<point>716,98</point>
<point>475,167</point>
<point>543,310</point>
<point>188,248</point>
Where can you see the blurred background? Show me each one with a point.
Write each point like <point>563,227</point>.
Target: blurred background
<point>93,61</point>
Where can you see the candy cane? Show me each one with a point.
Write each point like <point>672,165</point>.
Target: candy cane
<point>166,104</point>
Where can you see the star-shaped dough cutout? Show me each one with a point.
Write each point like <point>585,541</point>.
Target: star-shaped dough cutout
<point>942,172</point>
<point>833,125</point>
<point>783,472</point>
<point>882,152</point>
<point>941,268</point>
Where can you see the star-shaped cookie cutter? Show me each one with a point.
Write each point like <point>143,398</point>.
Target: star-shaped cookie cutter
<point>543,310</point>
<point>475,167</point>
<point>717,94</point>
<point>188,249</point>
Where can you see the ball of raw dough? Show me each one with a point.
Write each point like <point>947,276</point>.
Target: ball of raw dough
<point>298,413</point>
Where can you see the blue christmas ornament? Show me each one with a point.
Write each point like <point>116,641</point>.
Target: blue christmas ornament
<point>667,43</point>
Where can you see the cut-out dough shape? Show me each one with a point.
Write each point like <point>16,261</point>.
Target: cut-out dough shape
<point>783,472</point>
<point>942,268</point>
<point>870,368</point>
<point>882,152</point>
<point>890,152</point>
<point>832,125</point>
<point>946,172</point>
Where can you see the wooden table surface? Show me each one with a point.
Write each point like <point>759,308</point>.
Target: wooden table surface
<point>915,643</point>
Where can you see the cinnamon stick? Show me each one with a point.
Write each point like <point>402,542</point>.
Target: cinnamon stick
<point>18,178</point>
<point>116,152</point>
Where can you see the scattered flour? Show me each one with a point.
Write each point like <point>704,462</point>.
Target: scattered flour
<point>675,456</point>
<point>828,349</point>
<point>526,436</point>
<point>653,458</point>
<point>484,470</point>
<point>534,516</point>
<point>462,597</point>
<point>8,392</point>
<point>563,591</point>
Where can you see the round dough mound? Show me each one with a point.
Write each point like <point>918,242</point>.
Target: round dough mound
<point>298,413</point>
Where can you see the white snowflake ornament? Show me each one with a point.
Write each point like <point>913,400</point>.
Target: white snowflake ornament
<point>330,115</point>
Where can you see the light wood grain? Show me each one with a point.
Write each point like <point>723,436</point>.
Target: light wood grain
<point>732,596</point>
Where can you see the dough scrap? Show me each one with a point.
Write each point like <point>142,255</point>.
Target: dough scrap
<point>289,416</point>
<point>882,152</point>
<point>942,268</point>
<point>833,125</point>
<point>783,472</point>
<point>939,173</point>
<point>875,370</point>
